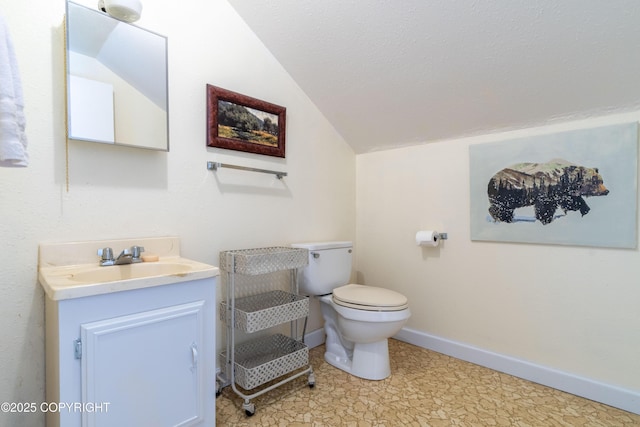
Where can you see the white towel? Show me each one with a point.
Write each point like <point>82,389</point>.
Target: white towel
<point>13,140</point>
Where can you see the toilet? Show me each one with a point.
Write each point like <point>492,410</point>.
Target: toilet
<point>358,319</point>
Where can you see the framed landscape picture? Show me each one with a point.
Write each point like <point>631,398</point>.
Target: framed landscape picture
<point>239,122</point>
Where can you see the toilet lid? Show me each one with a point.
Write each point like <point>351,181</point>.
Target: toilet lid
<point>369,298</point>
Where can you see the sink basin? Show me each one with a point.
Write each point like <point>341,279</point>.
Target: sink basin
<point>130,271</point>
<point>75,281</point>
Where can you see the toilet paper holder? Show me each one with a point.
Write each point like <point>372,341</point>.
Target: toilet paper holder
<point>430,237</point>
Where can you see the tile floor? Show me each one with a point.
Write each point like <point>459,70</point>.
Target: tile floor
<point>424,389</point>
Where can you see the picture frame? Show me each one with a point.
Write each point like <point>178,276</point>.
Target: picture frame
<point>242,123</point>
<point>586,177</point>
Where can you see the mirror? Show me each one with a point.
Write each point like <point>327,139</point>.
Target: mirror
<point>117,87</point>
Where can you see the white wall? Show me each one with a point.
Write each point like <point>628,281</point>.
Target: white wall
<point>117,192</point>
<point>572,309</point>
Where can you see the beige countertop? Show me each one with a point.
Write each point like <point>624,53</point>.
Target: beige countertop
<point>72,270</point>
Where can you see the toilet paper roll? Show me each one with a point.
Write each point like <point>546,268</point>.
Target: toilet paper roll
<point>427,238</point>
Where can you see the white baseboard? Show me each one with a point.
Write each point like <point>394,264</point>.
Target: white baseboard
<point>628,400</point>
<point>314,338</point>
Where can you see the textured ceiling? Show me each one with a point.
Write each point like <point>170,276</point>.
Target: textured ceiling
<point>389,73</point>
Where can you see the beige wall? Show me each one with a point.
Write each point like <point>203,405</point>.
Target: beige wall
<point>117,192</point>
<point>582,317</point>
<point>573,309</point>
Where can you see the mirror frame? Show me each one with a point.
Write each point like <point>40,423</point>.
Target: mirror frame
<point>108,110</point>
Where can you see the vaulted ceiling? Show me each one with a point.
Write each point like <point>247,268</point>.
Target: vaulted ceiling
<point>389,73</point>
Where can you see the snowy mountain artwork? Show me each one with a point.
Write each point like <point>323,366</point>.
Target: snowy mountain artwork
<point>573,188</point>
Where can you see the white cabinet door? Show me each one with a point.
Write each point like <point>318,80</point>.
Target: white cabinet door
<point>146,367</point>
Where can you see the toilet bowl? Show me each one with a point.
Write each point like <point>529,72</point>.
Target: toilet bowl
<point>358,319</point>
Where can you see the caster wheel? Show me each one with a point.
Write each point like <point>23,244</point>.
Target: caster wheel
<point>312,380</point>
<point>249,409</point>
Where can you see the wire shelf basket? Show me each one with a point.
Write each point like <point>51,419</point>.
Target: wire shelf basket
<point>264,359</point>
<point>257,312</point>
<point>263,260</point>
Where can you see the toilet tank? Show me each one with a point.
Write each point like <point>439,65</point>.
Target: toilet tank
<point>329,267</point>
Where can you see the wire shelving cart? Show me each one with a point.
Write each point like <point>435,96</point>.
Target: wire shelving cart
<point>255,304</point>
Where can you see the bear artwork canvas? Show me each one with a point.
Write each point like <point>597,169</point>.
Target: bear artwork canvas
<point>546,187</point>
<point>574,188</point>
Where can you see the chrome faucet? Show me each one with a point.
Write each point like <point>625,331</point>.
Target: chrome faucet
<point>124,257</point>
<point>127,256</point>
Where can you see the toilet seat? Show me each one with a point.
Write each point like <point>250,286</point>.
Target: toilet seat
<point>369,298</point>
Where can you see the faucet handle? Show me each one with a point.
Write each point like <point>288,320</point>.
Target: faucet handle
<point>106,254</point>
<point>136,251</point>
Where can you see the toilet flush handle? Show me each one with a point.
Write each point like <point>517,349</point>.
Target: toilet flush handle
<point>315,255</point>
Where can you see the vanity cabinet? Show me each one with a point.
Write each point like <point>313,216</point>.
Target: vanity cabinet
<point>141,357</point>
